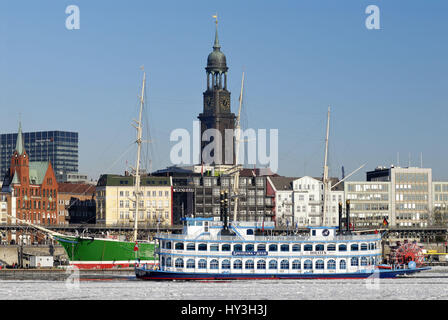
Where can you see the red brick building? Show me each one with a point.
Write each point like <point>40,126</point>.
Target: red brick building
<point>33,187</point>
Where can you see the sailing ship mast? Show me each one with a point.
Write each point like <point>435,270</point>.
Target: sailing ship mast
<point>138,126</point>
<point>237,142</point>
<point>325,177</point>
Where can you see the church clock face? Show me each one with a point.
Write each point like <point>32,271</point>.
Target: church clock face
<point>226,104</point>
<point>208,103</point>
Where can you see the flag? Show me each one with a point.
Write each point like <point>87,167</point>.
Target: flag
<point>136,246</point>
<point>202,169</point>
<point>385,222</point>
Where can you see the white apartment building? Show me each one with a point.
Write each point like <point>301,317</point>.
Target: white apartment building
<point>299,202</point>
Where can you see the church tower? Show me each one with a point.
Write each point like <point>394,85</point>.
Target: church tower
<point>216,111</point>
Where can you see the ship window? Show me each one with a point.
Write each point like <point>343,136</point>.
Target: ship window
<point>179,246</point>
<point>168,244</point>
<point>331,247</point>
<point>296,247</point>
<point>308,265</point>
<point>237,247</point>
<point>363,261</point>
<point>249,247</point>
<point>363,246</point>
<point>202,247</point>
<point>308,247</point>
<point>214,264</point>
<point>168,262</point>
<point>319,247</point>
<point>261,265</point>
<point>191,247</point>
<point>261,247</point>
<point>179,263</point>
<point>331,264</point>
<point>354,247</point>
<point>284,247</point>
<point>202,264</point>
<point>225,247</point>
<point>273,264</point>
<point>273,247</point>
<point>284,265</point>
<point>354,262</point>
<point>214,247</point>
<point>296,264</point>
<point>249,232</point>
<point>342,247</point>
<point>237,264</point>
<point>371,246</point>
<point>249,264</point>
<point>190,263</point>
<point>342,264</point>
<point>320,264</point>
<point>225,264</point>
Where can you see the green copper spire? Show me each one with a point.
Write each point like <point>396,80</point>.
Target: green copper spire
<point>19,142</point>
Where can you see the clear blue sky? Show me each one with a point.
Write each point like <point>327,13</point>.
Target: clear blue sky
<point>387,88</point>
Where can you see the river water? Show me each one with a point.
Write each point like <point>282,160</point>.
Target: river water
<point>428,285</point>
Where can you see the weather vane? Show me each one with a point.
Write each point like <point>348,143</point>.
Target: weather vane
<point>216,18</point>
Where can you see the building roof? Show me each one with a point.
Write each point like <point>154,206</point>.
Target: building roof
<point>19,141</point>
<point>282,183</point>
<point>285,183</point>
<point>128,181</point>
<point>76,188</point>
<point>257,172</point>
<point>38,169</point>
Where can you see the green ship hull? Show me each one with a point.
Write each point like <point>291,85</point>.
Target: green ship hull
<point>99,253</point>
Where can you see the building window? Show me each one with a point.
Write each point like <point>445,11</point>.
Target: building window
<point>249,264</point>
<point>190,264</point>
<point>261,265</point>
<point>179,263</point>
<point>225,264</point>
<point>331,264</point>
<point>308,265</point>
<point>237,264</point>
<point>284,264</point>
<point>202,264</point>
<point>214,264</point>
<point>273,264</point>
<point>296,264</point>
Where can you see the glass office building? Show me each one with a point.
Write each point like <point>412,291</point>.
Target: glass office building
<point>58,147</point>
